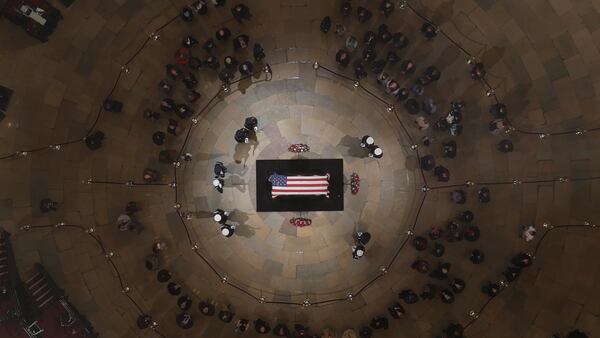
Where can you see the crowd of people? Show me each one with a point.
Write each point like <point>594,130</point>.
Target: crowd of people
<point>442,283</point>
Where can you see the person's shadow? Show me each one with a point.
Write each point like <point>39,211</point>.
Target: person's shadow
<point>244,84</point>
<point>242,153</point>
<point>235,181</point>
<point>353,146</point>
<point>242,229</point>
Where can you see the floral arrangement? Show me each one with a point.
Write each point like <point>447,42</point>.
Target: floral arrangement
<point>299,148</point>
<point>300,222</point>
<point>354,183</point>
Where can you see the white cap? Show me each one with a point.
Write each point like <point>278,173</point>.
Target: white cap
<point>360,252</point>
<point>216,182</point>
<point>225,231</point>
<point>217,217</point>
<point>377,151</point>
<point>370,140</point>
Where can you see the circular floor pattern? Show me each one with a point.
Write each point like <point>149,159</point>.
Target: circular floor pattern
<point>268,254</point>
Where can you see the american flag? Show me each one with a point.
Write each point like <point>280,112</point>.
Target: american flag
<point>299,185</point>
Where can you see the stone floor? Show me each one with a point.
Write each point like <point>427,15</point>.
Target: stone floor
<point>542,58</point>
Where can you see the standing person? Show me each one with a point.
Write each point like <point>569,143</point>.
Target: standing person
<point>505,146</point>
<point>184,303</point>
<point>447,296</point>
<point>218,184</point>
<point>409,296</point>
<point>220,216</point>
<point>375,151</point>
<point>251,123</point>
<point>420,266</point>
<point>458,196</point>
<point>94,141</point>
<point>438,250</point>
<point>478,71</point>
<point>379,322</point>
<point>522,260</point>
<point>342,57</point>
<point>458,285</point>
<point>184,320</point>
<point>220,169</point>
<point>363,14</point>
<point>258,52</point>
<point>363,238</point>
<point>476,257</point>
<point>449,149</point>
<point>396,311</point>
<point>367,141</point>
<point>174,288</point>
<point>325,25</point>
<point>246,68</point>
<point>150,176</point>
<point>346,8</point>
<point>428,30</point>
<point>262,326</point>
<point>442,173</point>
<point>241,135</point>
<point>187,14</point>
<point>420,243</point>
<point>159,138</point>
<point>241,42</point>
<point>491,289</point>
<point>454,331</point>
<point>200,7</point>
<point>427,162</point>
<point>241,12</point>
<point>484,195</point>
<point>441,272</point>
<point>206,308</point>
<point>226,315</point>
<point>528,233</point>
<point>358,251</point>
<point>227,230</point>
<point>241,325</point>
<point>172,127</point>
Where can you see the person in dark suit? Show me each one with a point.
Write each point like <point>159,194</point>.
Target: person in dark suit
<point>223,34</point>
<point>200,7</point>
<point>159,138</point>
<point>218,184</point>
<point>342,57</point>
<point>427,162</point>
<point>476,257</point>
<point>505,146</point>
<point>241,42</point>
<point>220,216</point>
<point>449,149</point>
<point>262,326</point>
<point>184,320</point>
<point>241,12</point>
<point>184,303</point>
<point>442,173</point>
<point>187,14</point>
<point>258,52</point>
<point>363,14</point>
<point>379,322</point>
<point>206,308</point>
<point>220,169</point>
<point>94,141</point>
<point>227,230</point>
<point>428,30</point>
<point>113,105</point>
<point>325,25</point>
